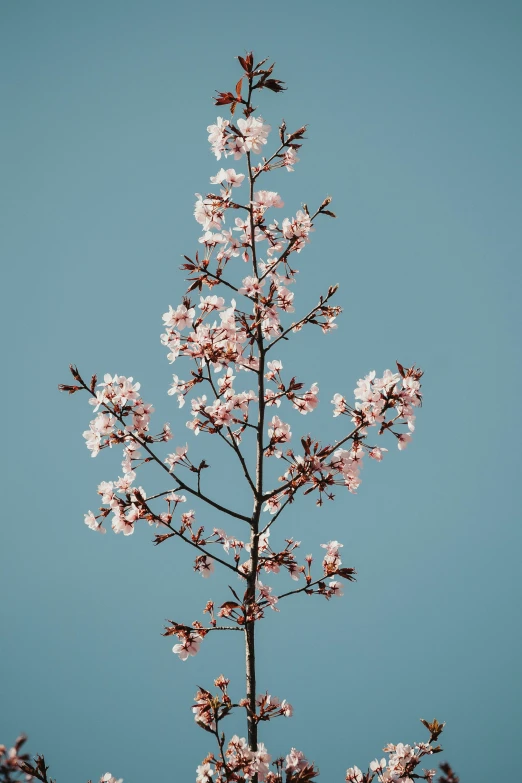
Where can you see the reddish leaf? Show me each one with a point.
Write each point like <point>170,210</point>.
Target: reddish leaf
<point>224,98</point>
<point>247,62</point>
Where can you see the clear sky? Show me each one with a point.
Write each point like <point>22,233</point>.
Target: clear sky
<point>415,131</point>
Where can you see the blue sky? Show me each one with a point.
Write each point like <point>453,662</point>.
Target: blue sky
<point>415,124</point>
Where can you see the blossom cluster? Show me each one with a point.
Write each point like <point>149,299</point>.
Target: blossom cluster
<point>16,766</point>
<point>388,401</point>
<point>399,768</point>
<point>250,135</point>
<point>12,760</point>
<point>242,764</point>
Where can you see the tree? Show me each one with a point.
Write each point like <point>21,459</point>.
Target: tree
<point>228,335</point>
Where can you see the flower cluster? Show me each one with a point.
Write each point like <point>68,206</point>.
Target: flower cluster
<point>209,710</point>
<point>226,139</point>
<point>399,768</point>
<point>190,638</point>
<point>388,401</point>
<point>242,764</point>
<point>12,761</point>
<point>119,397</point>
<point>271,707</point>
<point>399,392</point>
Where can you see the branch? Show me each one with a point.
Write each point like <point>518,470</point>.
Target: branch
<point>221,279</point>
<point>302,589</point>
<point>181,484</point>
<point>331,292</point>
<point>232,443</point>
<point>189,541</point>
<point>269,525</point>
<point>327,454</point>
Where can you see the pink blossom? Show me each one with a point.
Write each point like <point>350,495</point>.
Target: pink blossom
<point>251,286</point>
<point>187,518</point>
<point>335,588</point>
<point>308,401</point>
<point>262,761</point>
<point>123,523</point>
<point>189,646</point>
<point>202,714</point>
<point>208,304</point>
<point>229,176</point>
<point>272,398</point>
<point>354,775</point>
<point>218,134</point>
<point>349,464</point>
<point>173,497</point>
<point>272,504</point>
<point>93,524</point>
<point>179,318</point>
<point>274,368</point>
<point>178,456</point>
<point>377,453</point>
<point>332,560</point>
<point>267,198</point>
<point>285,299</point>
<point>278,431</point>
<point>204,565</point>
<point>106,490</point>
<point>295,761</point>
<point>287,709</point>
<point>266,595</point>
<point>204,773</point>
<point>298,229</point>
<point>290,159</point>
<point>208,212</point>
<point>254,132</point>
<point>125,482</point>
<point>340,405</point>
<point>378,766</point>
<point>403,440</point>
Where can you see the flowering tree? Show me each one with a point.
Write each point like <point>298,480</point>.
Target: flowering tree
<point>243,276</point>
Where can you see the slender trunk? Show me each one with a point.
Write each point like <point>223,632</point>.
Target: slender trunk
<point>251,684</point>
<point>254,557</point>
<point>254,553</point>
<point>254,535</point>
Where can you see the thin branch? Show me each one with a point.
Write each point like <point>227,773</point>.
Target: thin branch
<point>207,630</point>
<point>221,279</point>
<point>189,540</point>
<point>301,589</point>
<point>303,320</point>
<point>232,442</point>
<point>327,454</point>
<point>270,159</point>
<point>269,525</point>
<point>181,484</point>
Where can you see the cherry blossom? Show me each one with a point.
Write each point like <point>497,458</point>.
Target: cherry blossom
<point>204,773</point>
<point>267,198</point>
<point>229,176</point>
<point>189,646</point>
